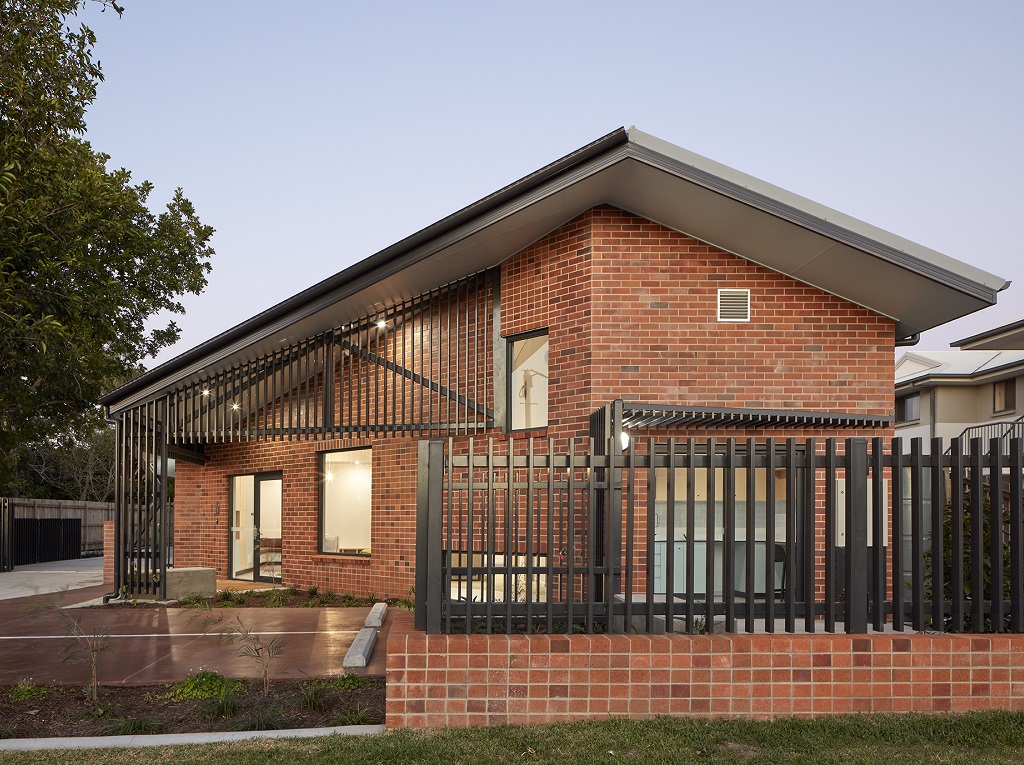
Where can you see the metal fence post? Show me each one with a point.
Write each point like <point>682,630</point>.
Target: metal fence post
<point>429,477</point>
<point>856,535</point>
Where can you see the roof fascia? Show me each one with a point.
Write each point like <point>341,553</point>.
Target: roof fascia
<point>815,217</point>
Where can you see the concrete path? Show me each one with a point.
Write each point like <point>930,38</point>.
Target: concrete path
<point>158,645</point>
<point>178,739</point>
<point>40,578</point>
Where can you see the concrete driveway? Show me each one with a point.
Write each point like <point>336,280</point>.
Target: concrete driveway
<point>158,645</point>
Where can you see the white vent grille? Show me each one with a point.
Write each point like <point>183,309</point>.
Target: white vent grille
<point>734,305</point>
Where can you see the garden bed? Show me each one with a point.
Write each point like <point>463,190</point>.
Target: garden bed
<point>282,597</point>
<point>205,701</point>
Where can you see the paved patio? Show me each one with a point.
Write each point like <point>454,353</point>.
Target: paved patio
<point>158,645</point>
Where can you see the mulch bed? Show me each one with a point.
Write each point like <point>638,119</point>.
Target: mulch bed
<point>49,711</point>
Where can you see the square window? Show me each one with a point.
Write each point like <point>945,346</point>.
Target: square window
<point>908,408</point>
<point>528,378</point>
<point>1004,396</point>
<point>345,501</point>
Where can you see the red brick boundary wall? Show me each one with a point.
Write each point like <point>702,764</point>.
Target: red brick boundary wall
<point>457,680</point>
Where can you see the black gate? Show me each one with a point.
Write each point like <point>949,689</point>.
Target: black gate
<point>41,540</point>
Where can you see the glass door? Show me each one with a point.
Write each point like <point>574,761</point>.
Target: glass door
<point>256,527</point>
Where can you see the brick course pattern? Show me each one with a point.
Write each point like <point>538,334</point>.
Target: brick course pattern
<point>630,307</point>
<point>437,681</point>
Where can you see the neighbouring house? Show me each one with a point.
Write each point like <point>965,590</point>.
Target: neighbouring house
<point>960,394</point>
<point>631,288</point>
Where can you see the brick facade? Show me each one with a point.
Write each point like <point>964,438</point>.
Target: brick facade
<point>630,308</point>
<point>437,681</point>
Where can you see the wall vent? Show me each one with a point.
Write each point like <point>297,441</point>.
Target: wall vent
<point>734,305</point>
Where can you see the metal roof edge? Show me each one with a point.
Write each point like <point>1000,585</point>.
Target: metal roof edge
<point>824,220</point>
<point>988,334</point>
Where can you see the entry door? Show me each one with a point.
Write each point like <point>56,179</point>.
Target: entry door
<point>256,527</point>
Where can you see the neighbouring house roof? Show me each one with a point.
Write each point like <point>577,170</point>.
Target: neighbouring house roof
<point>934,367</point>
<point>917,287</point>
<point>1009,337</point>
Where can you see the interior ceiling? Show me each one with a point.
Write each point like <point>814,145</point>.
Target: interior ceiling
<point>626,180</point>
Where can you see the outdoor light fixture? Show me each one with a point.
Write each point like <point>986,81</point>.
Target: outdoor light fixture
<point>624,440</point>
<point>329,476</point>
<point>381,324</point>
<point>235,407</point>
<point>206,391</point>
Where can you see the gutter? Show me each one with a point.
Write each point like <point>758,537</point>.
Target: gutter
<point>906,342</point>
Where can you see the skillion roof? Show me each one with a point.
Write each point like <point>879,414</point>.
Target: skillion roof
<point>917,287</point>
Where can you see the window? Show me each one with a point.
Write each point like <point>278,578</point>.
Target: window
<point>1004,398</point>
<point>908,408</point>
<point>708,527</point>
<point>528,381</point>
<point>345,501</point>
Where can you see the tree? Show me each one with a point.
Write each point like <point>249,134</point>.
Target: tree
<point>84,263</point>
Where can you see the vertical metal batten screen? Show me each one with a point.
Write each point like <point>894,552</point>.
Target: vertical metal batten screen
<point>810,535</point>
<point>421,366</point>
<point>142,523</point>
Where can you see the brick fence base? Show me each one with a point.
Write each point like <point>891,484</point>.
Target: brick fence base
<point>438,681</point>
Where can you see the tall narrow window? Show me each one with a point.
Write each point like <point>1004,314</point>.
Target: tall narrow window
<point>345,501</point>
<point>1005,396</point>
<point>528,389</point>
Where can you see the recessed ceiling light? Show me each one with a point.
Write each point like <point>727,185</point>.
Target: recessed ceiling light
<point>206,391</point>
<point>381,324</point>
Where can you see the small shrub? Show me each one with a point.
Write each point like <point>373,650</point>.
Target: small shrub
<point>270,717</point>
<point>193,601</point>
<point>7,731</point>
<point>292,591</point>
<point>230,599</point>
<point>204,684</point>
<point>131,726</point>
<point>314,694</point>
<point>225,705</point>
<point>313,591</point>
<point>358,716</point>
<point>276,598</point>
<point>26,689</point>
<point>349,682</point>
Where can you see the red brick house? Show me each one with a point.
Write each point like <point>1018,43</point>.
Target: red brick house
<point>628,270</point>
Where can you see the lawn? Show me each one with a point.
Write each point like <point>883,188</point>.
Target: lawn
<point>983,737</point>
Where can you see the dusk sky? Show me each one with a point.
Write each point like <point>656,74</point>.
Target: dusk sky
<point>312,135</point>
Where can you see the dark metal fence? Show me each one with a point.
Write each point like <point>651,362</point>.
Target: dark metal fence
<point>41,540</point>
<point>6,534</point>
<point>687,535</point>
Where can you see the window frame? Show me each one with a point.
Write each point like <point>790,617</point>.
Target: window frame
<point>1009,388</point>
<point>321,503</point>
<point>510,342</point>
<point>901,409</point>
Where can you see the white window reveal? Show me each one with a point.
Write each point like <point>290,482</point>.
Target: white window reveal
<point>528,381</point>
<point>733,305</point>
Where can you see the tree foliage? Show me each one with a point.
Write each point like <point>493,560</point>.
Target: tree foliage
<point>84,262</point>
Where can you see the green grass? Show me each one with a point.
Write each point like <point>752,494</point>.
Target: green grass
<point>988,737</point>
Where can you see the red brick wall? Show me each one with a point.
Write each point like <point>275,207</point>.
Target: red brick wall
<point>437,681</point>
<point>631,308</point>
<point>108,553</point>
<point>631,312</point>
<point>202,514</point>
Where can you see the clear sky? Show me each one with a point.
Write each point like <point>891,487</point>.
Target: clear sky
<point>312,135</point>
